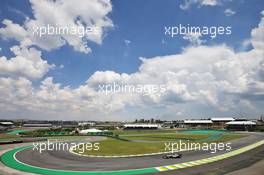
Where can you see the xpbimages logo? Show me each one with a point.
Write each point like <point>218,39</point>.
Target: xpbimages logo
<point>144,89</point>
<point>56,145</point>
<point>192,146</point>
<point>212,31</point>
<point>80,31</point>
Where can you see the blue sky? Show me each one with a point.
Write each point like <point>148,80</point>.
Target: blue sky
<point>141,23</point>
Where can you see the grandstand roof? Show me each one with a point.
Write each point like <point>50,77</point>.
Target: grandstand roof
<point>218,119</point>
<point>141,125</point>
<point>198,121</point>
<point>241,123</point>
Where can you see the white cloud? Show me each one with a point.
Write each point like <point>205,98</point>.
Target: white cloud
<point>188,3</point>
<point>194,38</point>
<point>27,62</point>
<point>192,78</point>
<point>14,92</point>
<point>229,12</point>
<point>92,13</point>
<point>258,34</point>
<point>215,78</point>
<point>210,2</point>
<point>12,30</point>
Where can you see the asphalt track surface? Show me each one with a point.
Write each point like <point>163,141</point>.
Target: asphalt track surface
<point>64,160</point>
<point>225,166</point>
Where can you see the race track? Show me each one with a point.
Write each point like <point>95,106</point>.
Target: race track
<point>64,160</point>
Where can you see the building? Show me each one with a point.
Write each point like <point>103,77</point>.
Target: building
<point>241,126</point>
<point>94,131</point>
<point>220,123</point>
<point>86,124</point>
<point>68,124</point>
<point>6,125</point>
<point>37,125</point>
<point>201,124</point>
<point>141,126</point>
<point>173,124</point>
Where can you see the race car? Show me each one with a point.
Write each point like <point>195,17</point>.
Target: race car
<point>172,156</point>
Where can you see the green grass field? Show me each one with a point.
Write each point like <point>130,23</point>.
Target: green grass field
<point>136,132</point>
<point>6,137</point>
<point>113,147</point>
<point>165,137</point>
<point>229,137</point>
<point>14,132</point>
<point>141,141</point>
<point>153,142</point>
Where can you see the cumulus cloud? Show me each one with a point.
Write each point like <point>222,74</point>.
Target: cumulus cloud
<point>258,34</point>
<point>215,78</point>
<point>14,92</point>
<point>77,14</point>
<point>12,30</point>
<point>27,62</point>
<point>191,78</point>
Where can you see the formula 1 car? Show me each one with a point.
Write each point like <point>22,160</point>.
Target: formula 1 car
<point>172,156</point>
